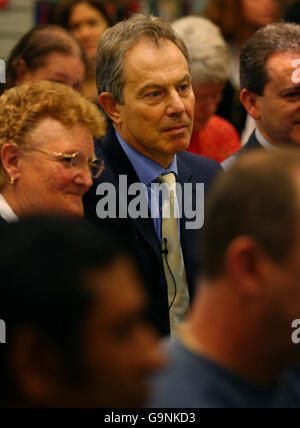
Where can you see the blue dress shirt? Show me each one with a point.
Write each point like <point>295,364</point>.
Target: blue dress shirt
<point>147,171</point>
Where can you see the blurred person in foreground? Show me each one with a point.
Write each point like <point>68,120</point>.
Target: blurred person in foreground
<point>87,21</point>
<point>73,305</point>
<point>145,92</point>
<point>236,349</point>
<point>212,136</point>
<point>270,81</point>
<point>47,158</point>
<point>46,52</point>
<point>239,20</point>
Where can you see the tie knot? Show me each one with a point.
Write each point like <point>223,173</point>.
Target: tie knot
<point>167,178</point>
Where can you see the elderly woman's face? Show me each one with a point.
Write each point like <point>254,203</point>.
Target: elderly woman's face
<point>207,100</point>
<point>47,184</point>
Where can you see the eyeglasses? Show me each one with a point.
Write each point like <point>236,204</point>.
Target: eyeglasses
<point>77,161</point>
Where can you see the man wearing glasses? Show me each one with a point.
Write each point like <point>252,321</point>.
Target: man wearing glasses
<point>145,92</point>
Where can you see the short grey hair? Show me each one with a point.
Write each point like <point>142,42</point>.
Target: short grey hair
<point>207,48</point>
<point>118,40</point>
<point>279,37</point>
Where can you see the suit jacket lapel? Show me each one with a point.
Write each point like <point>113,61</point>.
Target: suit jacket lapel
<point>121,165</point>
<point>187,236</point>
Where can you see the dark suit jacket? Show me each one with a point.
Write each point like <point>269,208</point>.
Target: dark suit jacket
<point>2,221</point>
<point>140,233</point>
<point>251,144</point>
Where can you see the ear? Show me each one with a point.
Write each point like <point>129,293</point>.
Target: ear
<point>251,103</point>
<point>35,367</point>
<point>10,158</point>
<point>111,107</point>
<point>21,70</point>
<point>245,266</point>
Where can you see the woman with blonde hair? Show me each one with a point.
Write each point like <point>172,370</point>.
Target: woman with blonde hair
<point>47,159</point>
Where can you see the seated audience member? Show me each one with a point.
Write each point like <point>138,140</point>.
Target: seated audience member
<point>46,52</point>
<point>239,20</point>
<point>86,20</point>
<point>236,349</point>
<point>47,156</point>
<point>73,305</point>
<point>212,136</point>
<point>269,72</point>
<point>145,91</point>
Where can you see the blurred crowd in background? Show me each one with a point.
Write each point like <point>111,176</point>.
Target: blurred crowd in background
<point>215,41</point>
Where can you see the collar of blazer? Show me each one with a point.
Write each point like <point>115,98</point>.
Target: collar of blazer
<point>117,163</point>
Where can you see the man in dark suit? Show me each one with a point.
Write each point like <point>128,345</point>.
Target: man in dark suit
<point>269,72</point>
<point>145,92</point>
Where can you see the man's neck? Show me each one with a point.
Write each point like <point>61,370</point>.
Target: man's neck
<point>161,159</point>
<point>231,335</point>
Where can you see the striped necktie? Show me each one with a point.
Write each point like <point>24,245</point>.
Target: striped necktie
<point>178,294</point>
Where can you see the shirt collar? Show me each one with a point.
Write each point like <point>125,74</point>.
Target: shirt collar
<point>6,212</point>
<point>146,169</point>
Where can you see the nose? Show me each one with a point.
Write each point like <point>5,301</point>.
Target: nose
<point>84,178</point>
<point>175,105</point>
<point>83,33</point>
<point>207,105</point>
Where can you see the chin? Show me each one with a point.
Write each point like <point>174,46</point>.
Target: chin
<point>180,146</point>
<point>75,212</point>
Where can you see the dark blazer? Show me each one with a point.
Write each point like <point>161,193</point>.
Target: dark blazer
<point>140,232</point>
<point>2,221</point>
<point>251,144</point>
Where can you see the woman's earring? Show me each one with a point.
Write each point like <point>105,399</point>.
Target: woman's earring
<point>12,181</point>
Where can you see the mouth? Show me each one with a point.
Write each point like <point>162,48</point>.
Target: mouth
<point>176,129</point>
<point>78,194</point>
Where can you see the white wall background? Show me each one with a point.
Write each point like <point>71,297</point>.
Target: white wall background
<point>14,22</point>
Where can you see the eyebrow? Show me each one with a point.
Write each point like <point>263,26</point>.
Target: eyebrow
<point>290,89</point>
<point>63,75</point>
<point>152,85</point>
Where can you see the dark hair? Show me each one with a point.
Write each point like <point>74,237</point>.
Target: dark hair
<point>292,13</point>
<point>280,37</point>
<point>64,9</point>
<point>37,44</point>
<point>43,268</point>
<point>257,197</point>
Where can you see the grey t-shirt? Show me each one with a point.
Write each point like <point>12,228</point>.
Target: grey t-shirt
<point>192,381</point>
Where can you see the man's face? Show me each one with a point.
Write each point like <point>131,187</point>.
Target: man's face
<point>157,116</point>
<point>119,348</point>
<point>278,108</point>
